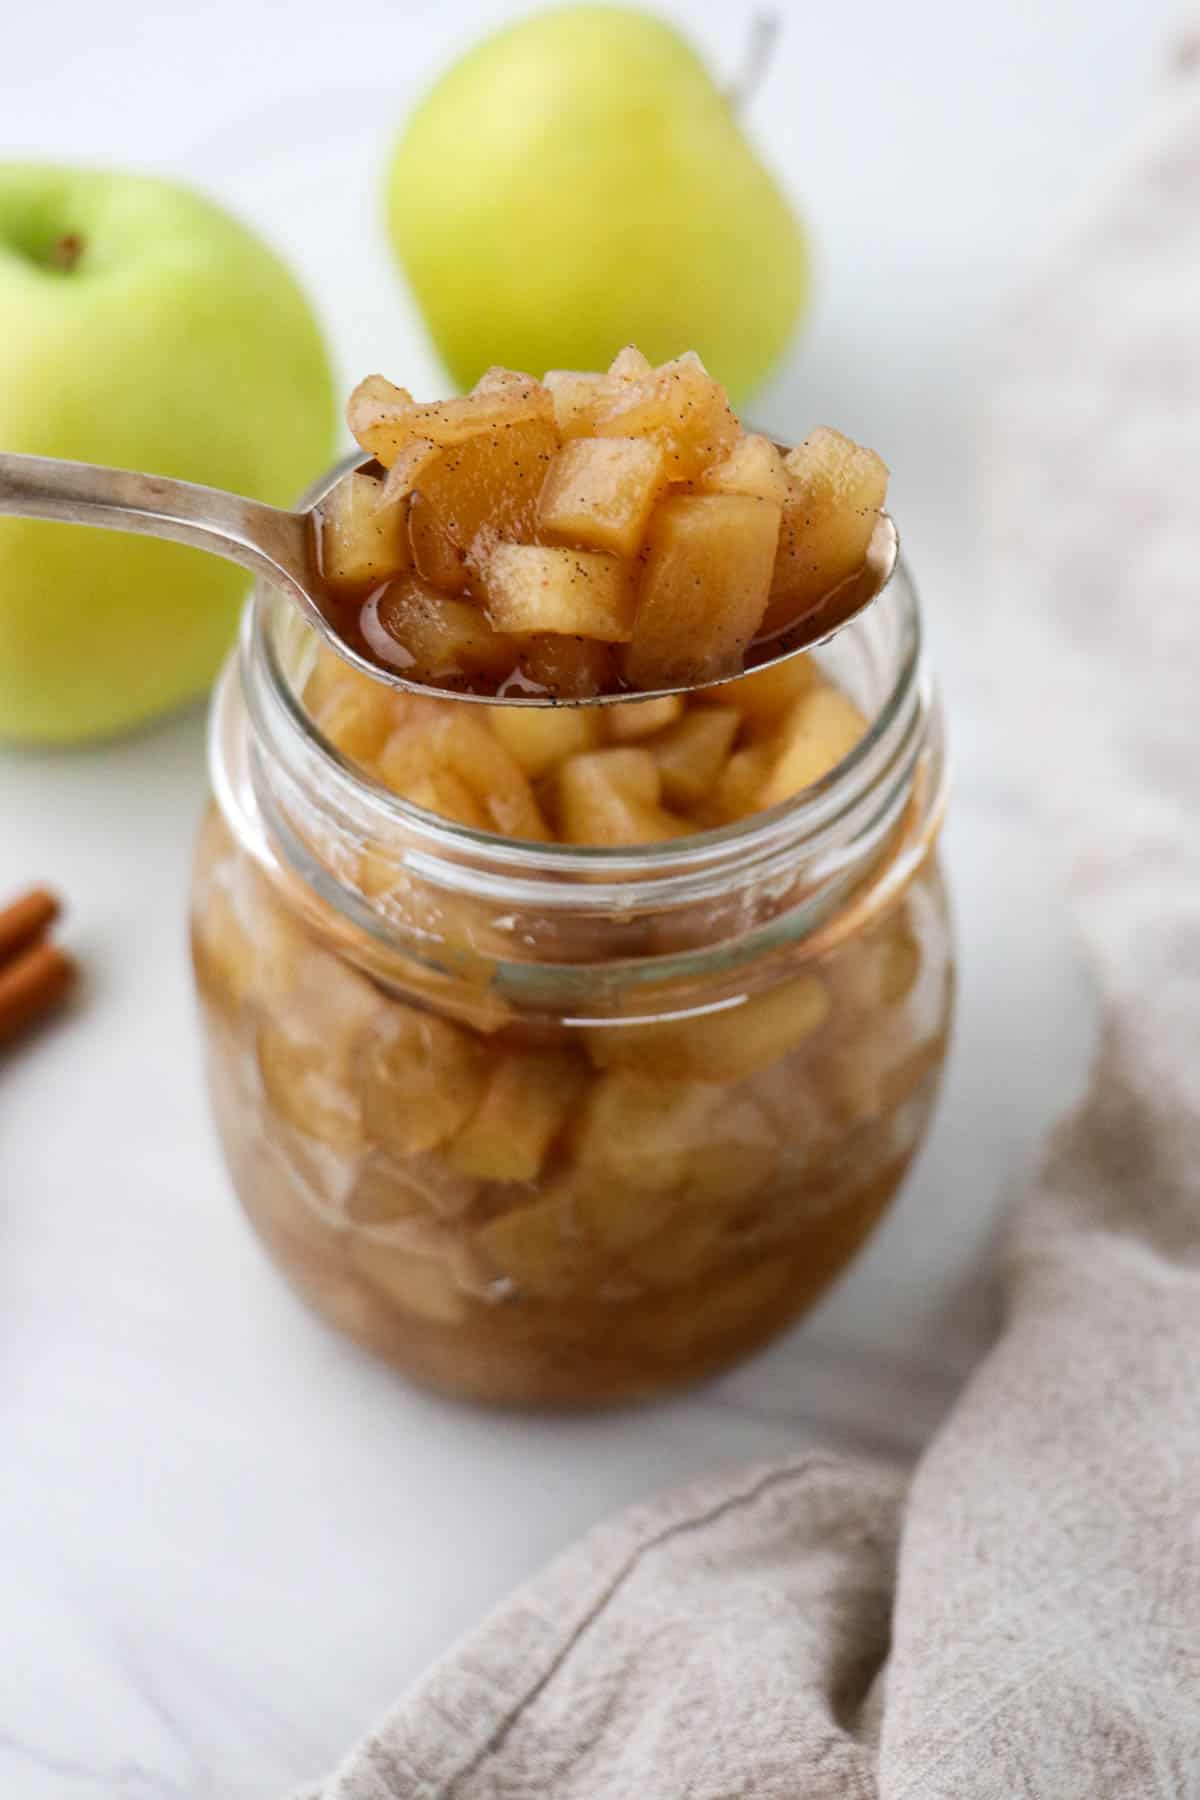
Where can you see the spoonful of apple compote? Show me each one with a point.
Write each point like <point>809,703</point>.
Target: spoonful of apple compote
<point>581,539</point>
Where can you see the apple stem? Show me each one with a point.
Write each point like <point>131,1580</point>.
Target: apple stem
<point>760,48</point>
<point>67,252</point>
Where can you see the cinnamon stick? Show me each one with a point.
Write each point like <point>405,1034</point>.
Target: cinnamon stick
<point>26,919</point>
<point>32,984</point>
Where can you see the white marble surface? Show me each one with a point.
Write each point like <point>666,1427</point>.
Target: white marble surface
<point>229,1539</point>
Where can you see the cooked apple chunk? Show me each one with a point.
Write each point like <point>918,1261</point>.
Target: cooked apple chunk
<point>643,1129</point>
<point>836,489</point>
<point>577,400</point>
<point>753,466</point>
<point>386,419</point>
<point>631,720</point>
<point>574,593</point>
<point>430,637</point>
<point>821,729</point>
<point>358,716</point>
<point>436,557</point>
<point>541,1249</point>
<point>439,791</point>
<point>413,462</point>
<point>462,746</point>
<point>420,1079</point>
<point>362,542</point>
<point>725,1046</point>
<point>678,406</point>
<point>541,737</point>
<point>692,753</point>
<point>707,577</point>
<point>611,797</point>
<point>568,668</point>
<point>629,364</point>
<point>763,697</point>
<point>490,484</point>
<point>528,1097</point>
<point>420,1285</point>
<point>599,492</point>
<point>737,788</point>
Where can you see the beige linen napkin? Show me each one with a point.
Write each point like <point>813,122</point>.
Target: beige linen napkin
<point>1020,1620</point>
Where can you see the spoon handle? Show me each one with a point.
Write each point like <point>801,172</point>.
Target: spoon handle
<point>263,539</point>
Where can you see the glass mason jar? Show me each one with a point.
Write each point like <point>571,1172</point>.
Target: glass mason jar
<point>543,1125</point>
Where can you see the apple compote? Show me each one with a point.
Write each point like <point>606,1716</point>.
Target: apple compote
<point>562,1057</point>
<point>587,534</point>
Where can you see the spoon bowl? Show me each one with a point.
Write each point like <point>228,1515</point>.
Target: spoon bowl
<point>278,546</point>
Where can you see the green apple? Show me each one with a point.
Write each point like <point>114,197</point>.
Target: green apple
<point>579,182</point>
<point>140,326</point>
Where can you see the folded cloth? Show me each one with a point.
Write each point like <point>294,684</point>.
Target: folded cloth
<point>1021,1616</point>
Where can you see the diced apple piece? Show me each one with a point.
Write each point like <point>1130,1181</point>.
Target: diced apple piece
<point>753,466</point>
<point>724,1046</point>
<point>386,419</point>
<point>436,558</point>
<point>896,960</point>
<point>879,969</point>
<point>430,637</point>
<point>541,737</point>
<point>818,731</point>
<point>325,676</point>
<point>387,1188</point>
<point>643,1129</point>
<point>359,731</point>
<point>420,1079</point>
<point>413,462</point>
<point>361,541</point>
<point>528,1097</point>
<point>681,1253</point>
<point>870,1077</point>
<point>541,1249</point>
<point>420,1285</point>
<point>308,1086</point>
<point>489,485</point>
<point>568,668</point>
<point>355,713</point>
<point>599,493</point>
<point>454,744</point>
<point>501,383</point>
<point>611,797</point>
<point>629,364</point>
<point>764,696</point>
<point>740,783</point>
<point>678,406</point>
<point>606,818</point>
<point>739,1156</point>
<point>375,413</point>
<point>442,792</point>
<point>707,575</point>
<point>573,593</point>
<point>307,1050</point>
<point>632,771</point>
<point>630,720</point>
<point>691,754</point>
<point>248,950</point>
<point>836,491</point>
<point>578,400</point>
<point>613,1214</point>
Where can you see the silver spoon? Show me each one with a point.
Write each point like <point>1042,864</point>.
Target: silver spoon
<point>277,546</point>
